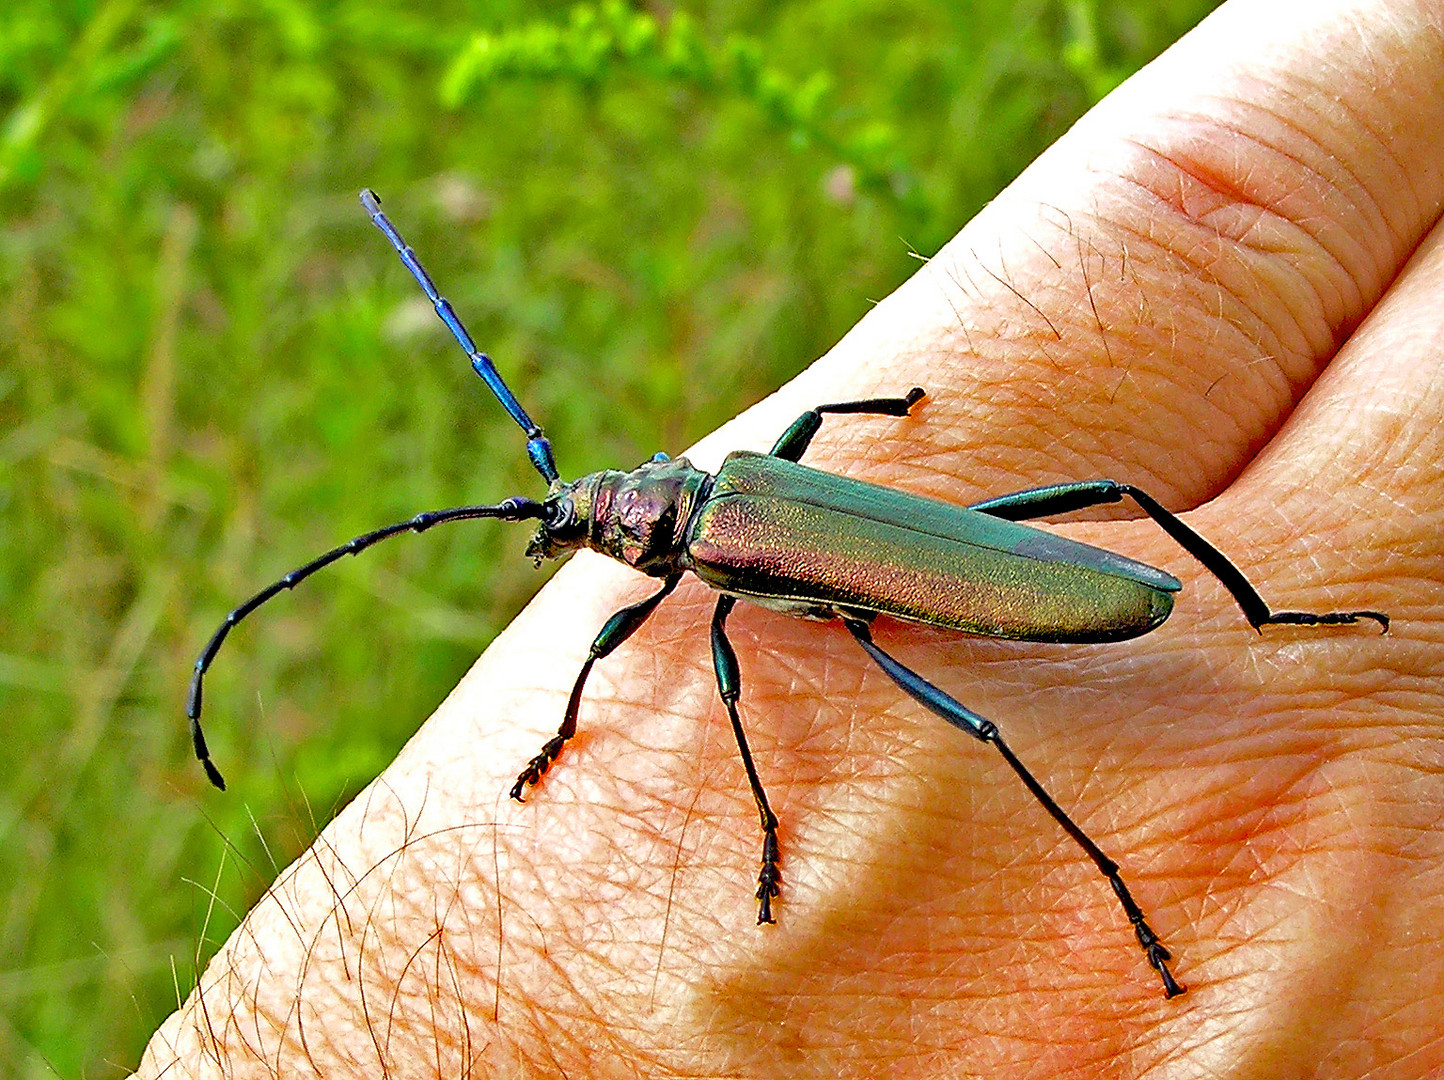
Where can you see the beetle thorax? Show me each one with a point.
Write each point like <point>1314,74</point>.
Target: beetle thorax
<point>638,517</point>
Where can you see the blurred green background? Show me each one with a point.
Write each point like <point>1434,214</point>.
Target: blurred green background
<point>213,368</point>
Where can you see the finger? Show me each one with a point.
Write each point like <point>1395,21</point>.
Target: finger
<point>1336,749</point>
<point>1157,292</point>
<point>1359,469</point>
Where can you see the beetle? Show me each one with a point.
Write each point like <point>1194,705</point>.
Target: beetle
<point>767,529</point>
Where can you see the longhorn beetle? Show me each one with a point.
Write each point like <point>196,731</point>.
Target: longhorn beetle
<point>767,529</point>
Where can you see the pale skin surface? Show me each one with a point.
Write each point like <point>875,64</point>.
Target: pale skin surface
<point>1205,290</point>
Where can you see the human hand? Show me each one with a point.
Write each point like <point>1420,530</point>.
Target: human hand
<point>1209,289</point>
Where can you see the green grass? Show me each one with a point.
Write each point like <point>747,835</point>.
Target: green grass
<point>211,368</point>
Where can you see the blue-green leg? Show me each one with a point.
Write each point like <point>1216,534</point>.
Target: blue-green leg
<point>933,699</point>
<point>729,686</point>
<point>796,438</point>
<point>618,629</point>
<point>1068,498</point>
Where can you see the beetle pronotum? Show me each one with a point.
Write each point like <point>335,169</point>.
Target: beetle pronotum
<point>774,532</point>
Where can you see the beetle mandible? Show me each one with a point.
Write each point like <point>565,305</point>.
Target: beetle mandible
<point>772,531</point>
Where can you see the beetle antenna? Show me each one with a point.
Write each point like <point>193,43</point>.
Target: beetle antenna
<point>514,509</point>
<point>538,447</point>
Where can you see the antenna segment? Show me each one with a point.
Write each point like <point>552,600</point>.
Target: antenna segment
<point>538,447</point>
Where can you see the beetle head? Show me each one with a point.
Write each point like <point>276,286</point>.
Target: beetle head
<point>636,517</point>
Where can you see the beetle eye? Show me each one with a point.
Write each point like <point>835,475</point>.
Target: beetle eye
<point>560,515</point>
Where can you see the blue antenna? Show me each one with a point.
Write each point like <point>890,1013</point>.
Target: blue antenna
<point>538,448</point>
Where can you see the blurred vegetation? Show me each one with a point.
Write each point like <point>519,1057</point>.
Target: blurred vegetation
<point>211,368</point>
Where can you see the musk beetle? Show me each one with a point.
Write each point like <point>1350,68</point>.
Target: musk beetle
<point>774,532</point>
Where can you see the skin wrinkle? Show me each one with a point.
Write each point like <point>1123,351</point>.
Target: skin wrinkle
<point>1383,145</point>
<point>1239,189</point>
<point>1310,166</point>
<point>1359,196</point>
<point>1274,342</point>
<point>1341,161</point>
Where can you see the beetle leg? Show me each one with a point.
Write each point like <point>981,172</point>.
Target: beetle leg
<point>933,699</point>
<point>796,438</point>
<point>1067,498</point>
<point>618,629</point>
<point>729,686</point>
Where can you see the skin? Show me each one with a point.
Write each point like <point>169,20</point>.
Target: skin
<point>1224,286</point>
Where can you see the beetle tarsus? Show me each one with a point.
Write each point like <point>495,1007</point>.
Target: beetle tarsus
<point>770,879</point>
<point>537,766</point>
<point>1327,618</point>
<point>1154,949</point>
<point>1158,958</point>
<point>1171,986</point>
